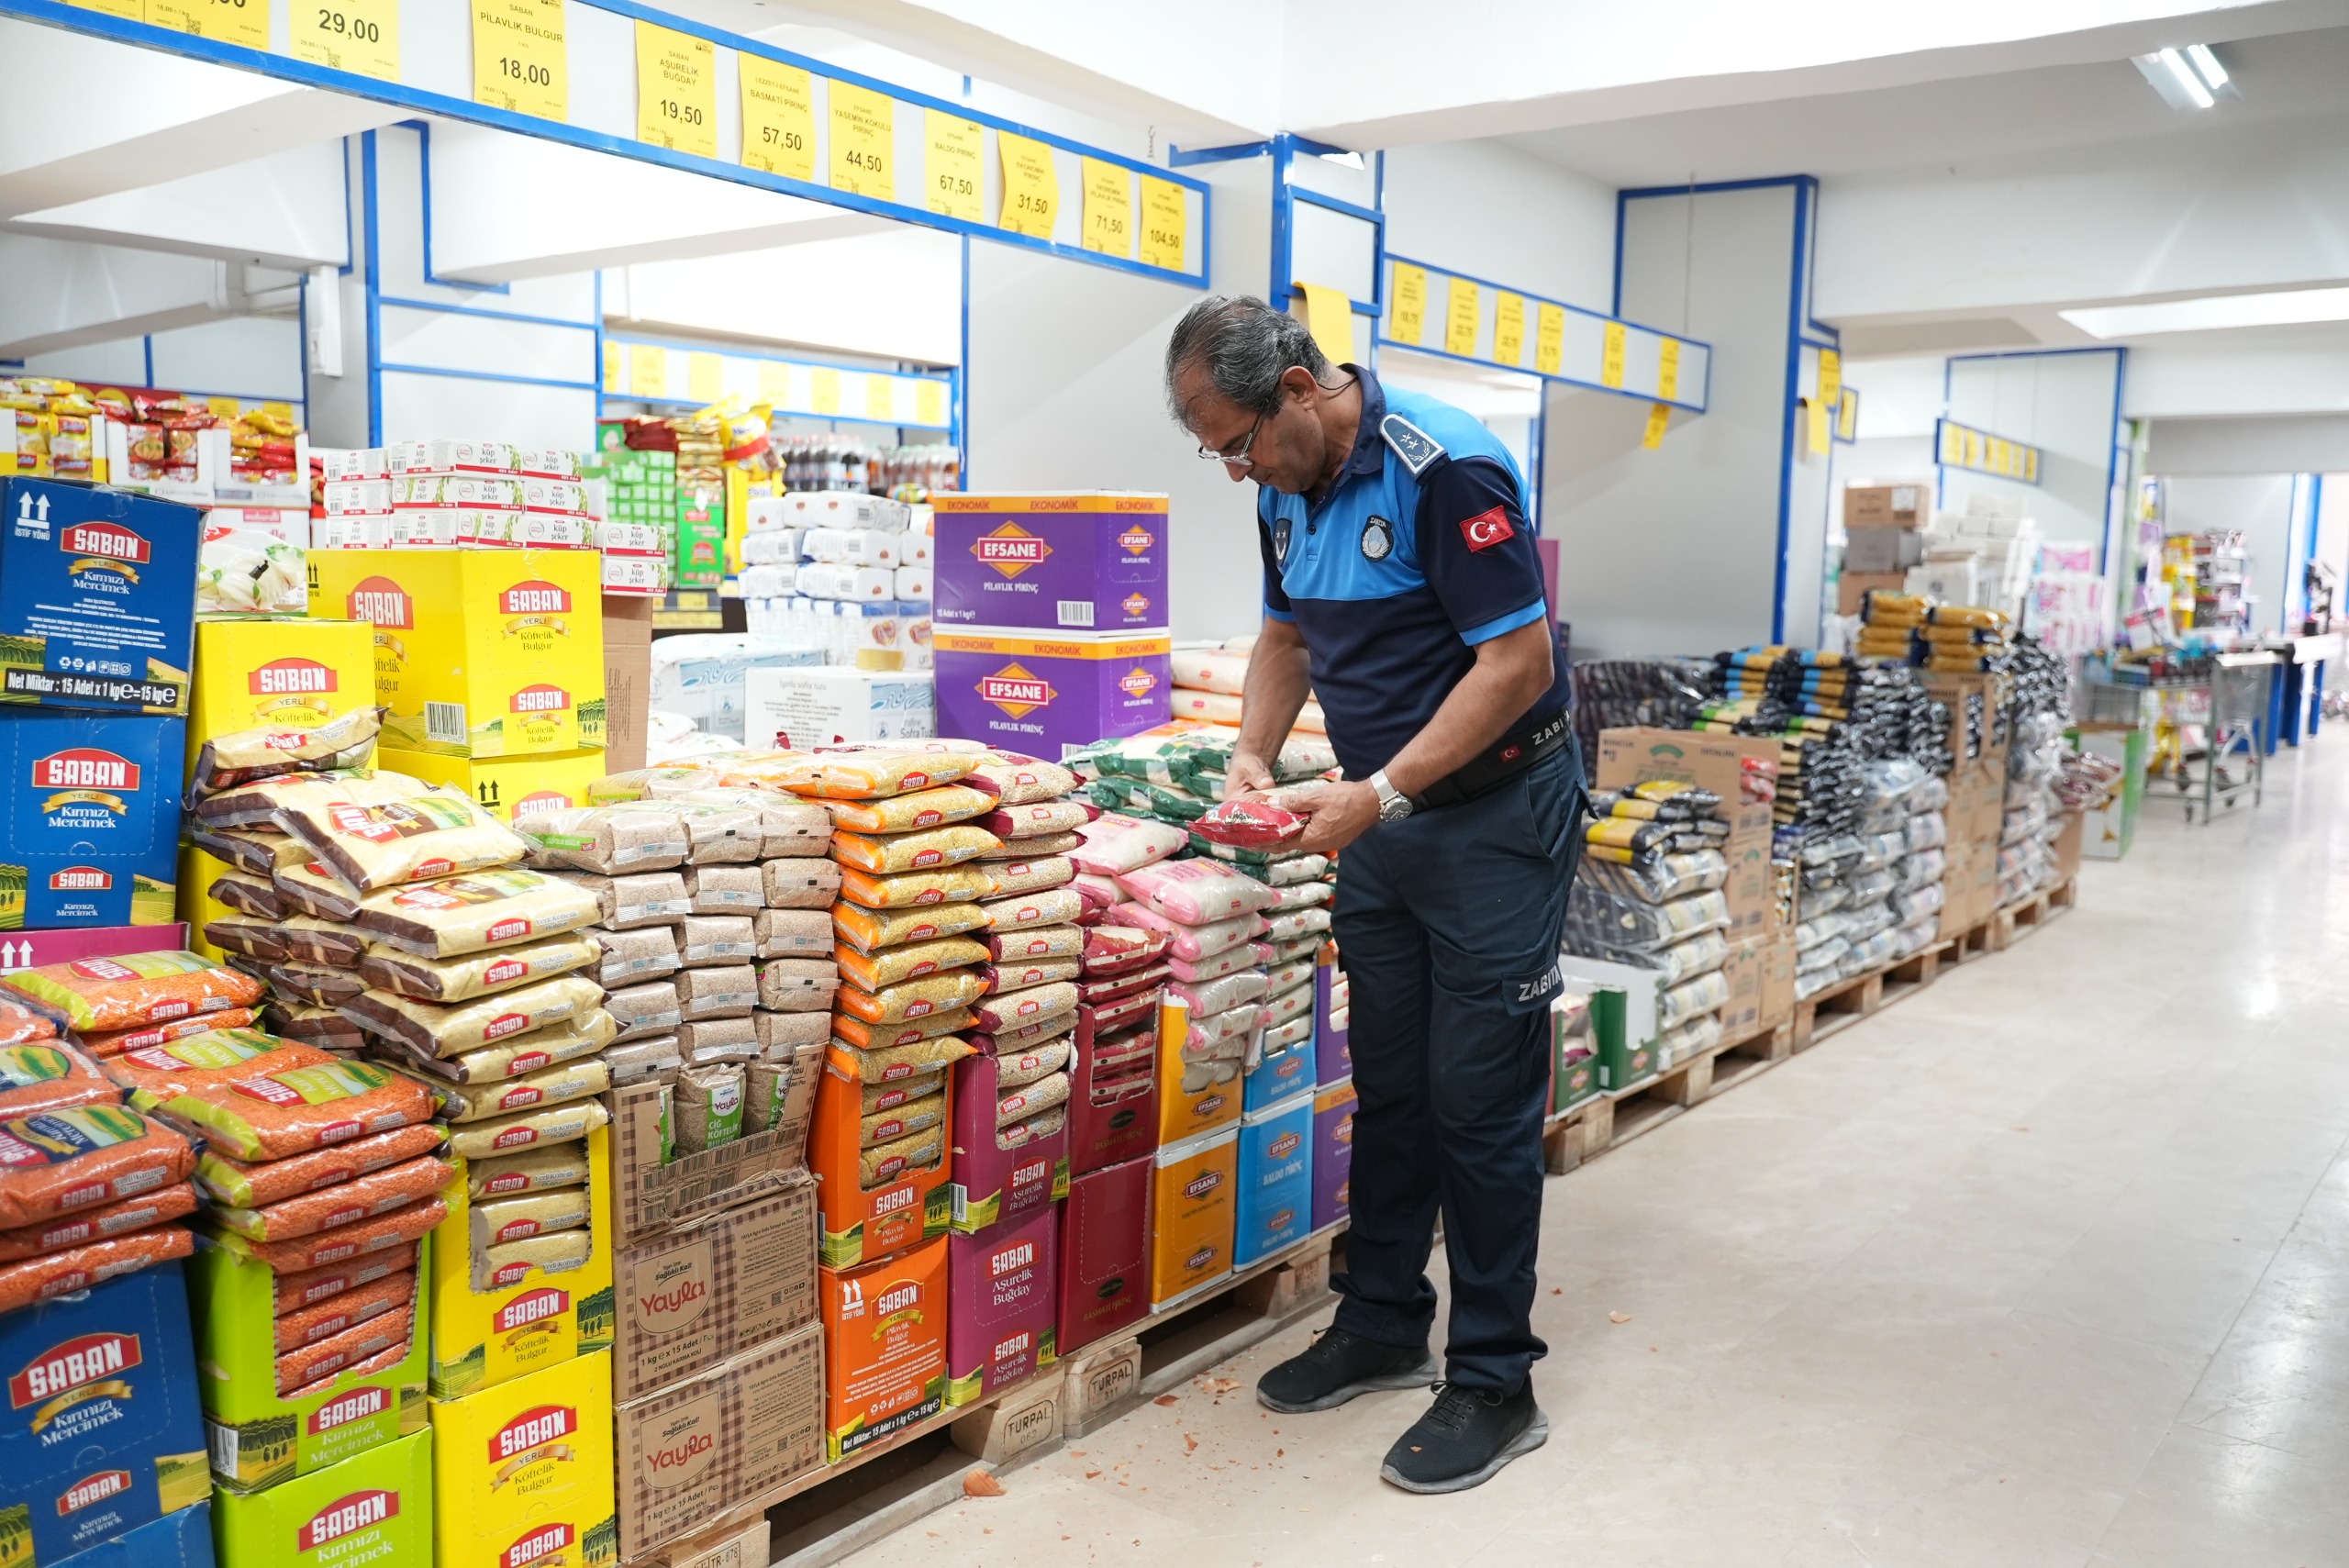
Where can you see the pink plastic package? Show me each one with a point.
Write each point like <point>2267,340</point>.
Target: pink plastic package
<point>1114,843</point>
<point>1259,823</point>
<point>1231,961</point>
<point>1195,893</point>
<point>1098,892</point>
<point>1223,995</point>
<point>1193,942</point>
<point>1039,818</point>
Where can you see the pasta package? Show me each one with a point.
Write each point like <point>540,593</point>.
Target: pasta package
<point>908,813</point>
<point>345,1203</point>
<point>909,999</point>
<point>60,1161</point>
<point>475,974</point>
<point>131,990</point>
<point>935,847</point>
<point>371,845</point>
<point>246,756</point>
<point>911,961</point>
<point>912,889</point>
<point>344,1244</point>
<point>800,883</point>
<point>461,914</point>
<point>531,1129</point>
<point>532,1171</point>
<point>294,1110</point>
<point>450,1029</point>
<point>49,1077</point>
<point>870,930</point>
<point>79,1268</point>
<point>83,1227</point>
<point>239,1183</point>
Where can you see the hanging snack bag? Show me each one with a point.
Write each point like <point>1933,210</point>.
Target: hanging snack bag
<point>294,1111</point>
<point>134,989</point>
<point>61,1161</point>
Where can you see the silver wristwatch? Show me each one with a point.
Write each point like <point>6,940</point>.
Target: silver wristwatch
<point>1392,803</point>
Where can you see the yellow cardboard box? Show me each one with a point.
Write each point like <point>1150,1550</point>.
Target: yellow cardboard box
<point>478,653</point>
<point>503,784</point>
<point>283,671</point>
<point>194,901</point>
<point>483,1339</point>
<point>522,1473</point>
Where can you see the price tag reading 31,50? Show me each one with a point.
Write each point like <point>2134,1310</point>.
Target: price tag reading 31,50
<point>358,35</point>
<point>520,61</point>
<point>676,90</point>
<point>1031,190</point>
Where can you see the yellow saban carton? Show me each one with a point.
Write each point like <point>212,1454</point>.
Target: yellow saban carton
<point>195,902</point>
<point>478,653</point>
<point>276,672</point>
<point>529,1319</point>
<point>506,786</point>
<point>522,1473</point>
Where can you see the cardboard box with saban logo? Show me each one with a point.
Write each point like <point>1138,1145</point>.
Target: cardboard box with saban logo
<point>522,1473</point>
<point>1042,694</point>
<point>277,673</point>
<point>97,598</point>
<point>374,1509</point>
<point>478,654</point>
<point>1081,561</point>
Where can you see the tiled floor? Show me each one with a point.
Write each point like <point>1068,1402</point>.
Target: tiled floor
<point>2048,1266</point>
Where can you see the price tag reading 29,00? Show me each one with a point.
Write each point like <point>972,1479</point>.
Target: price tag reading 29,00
<point>358,35</point>
<point>521,62</point>
<point>676,90</point>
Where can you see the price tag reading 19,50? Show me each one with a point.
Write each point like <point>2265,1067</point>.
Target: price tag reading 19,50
<point>521,62</point>
<point>676,90</point>
<point>358,35</point>
<point>952,180</point>
<point>778,118</point>
<point>864,161</point>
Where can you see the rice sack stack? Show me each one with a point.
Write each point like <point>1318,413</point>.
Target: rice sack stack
<point>1258,838</point>
<point>1649,896</point>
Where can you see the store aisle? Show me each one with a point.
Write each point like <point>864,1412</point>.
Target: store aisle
<point>2045,1266</point>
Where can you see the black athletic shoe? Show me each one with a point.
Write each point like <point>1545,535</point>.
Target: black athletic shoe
<point>1335,1368</point>
<point>1464,1438</point>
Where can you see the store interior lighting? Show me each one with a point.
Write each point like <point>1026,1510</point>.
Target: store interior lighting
<point>2189,78</point>
<point>2285,307</point>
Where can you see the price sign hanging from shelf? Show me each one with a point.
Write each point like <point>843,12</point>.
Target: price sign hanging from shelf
<point>1410,311</point>
<point>1668,369</point>
<point>1164,219</point>
<point>705,377</point>
<point>1108,208</point>
<point>880,394</point>
<point>1031,190</point>
<point>929,402</point>
<point>244,22</point>
<point>1610,355</point>
<point>1508,329</point>
<point>647,371</point>
<point>358,35</point>
<point>521,63</point>
<point>952,180</point>
<point>1550,339</point>
<point>676,90</point>
<point>1460,320</point>
<point>778,118</point>
<point>864,158</point>
<point>824,390</point>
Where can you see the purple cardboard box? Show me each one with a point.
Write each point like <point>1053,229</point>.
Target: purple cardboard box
<point>1042,694</point>
<point>1333,1151</point>
<point>1089,562</point>
<point>1334,1060</point>
<point>1001,1307</point>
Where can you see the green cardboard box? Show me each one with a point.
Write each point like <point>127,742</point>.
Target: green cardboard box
<point>1622,1062</point>
<point>373,1508</point>
<point>1573,1053</point>
<point>259,1440</point>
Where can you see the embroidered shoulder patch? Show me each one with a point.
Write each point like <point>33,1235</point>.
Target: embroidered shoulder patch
<point>1413,445</point>
<point>1487,529</point>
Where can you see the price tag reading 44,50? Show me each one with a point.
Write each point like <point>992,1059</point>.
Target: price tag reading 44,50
<point>864,160</point>
<point>520,61</point>
<point>358,35</point>
<point>676,90</point>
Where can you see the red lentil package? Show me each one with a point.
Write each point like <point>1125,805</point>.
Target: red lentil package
<point>296,1110</point>
<point>154,1074</point>
<point>113,1043</point>
<point>19,1024</point>
<point>132,989</point>
<point>144,1212</point>
<point>238,1185</point>
<point>63,1161</point>
<point>78,1268</point>
<point>35,1078</point>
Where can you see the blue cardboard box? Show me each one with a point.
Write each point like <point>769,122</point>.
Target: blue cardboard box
<point>89,818</point>
<point>104,1433</point>
<point>183,1540</point>
<point>1280,1078</point>
<point>97,598</point>
<point>1276,1180</point>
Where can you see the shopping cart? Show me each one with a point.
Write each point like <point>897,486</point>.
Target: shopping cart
<point>2210,730</point>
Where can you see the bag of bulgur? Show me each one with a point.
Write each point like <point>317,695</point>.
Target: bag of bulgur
<point>246,756</point>
<point>459,915</point>
<point>933,847</point>
<point>909,813</point>
<point>475,974</point>
<point>799,883</point>
<point>452,1030</point>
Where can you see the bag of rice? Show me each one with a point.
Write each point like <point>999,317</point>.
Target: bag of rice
<point>450,1029</point>
<point>45,1278</point>
<point>704,940</point>
<point>798,984</point>
<point>1302,896</point>
<point>707,1107</point>
<point>238,1184</point>
<point>901,1060</point>
<point>127,992</point>
<point>800,883</point>
<point>716,835</point>
<point>246,756</point>
<point>1023,1068</point>
<point>1292,925</point>
<point>631,836</point>
<point>730,991</point>
<point>533,1170</point>
<point>1016,779</point>
<point>646,1009</point>
<point>718,1039</point>
<point>340,1314</point>
<point>641,898</point>
<point>49,1077</point>
<point>122,1217</point>
<point>1216,996</point>
<point>1039,818</point>
<point>793,933</point>
<point>343,1243</point>
<point>1042,845</point>
<point>1055,906</point>
<point>475,974</point>
<point>725,889</point>
<point>60,1161</point>
<point>497,1221</point>
<point>1111,1017</point>
<point>256,852</point>
<point>901,1121</point>
<point>1193,942</point>
<point>911,889</point>
<point>531,1130</point>
<point>1008,877</point>
<point>870,774</point>
<point>1231,961</point>
<point>1018,976</point>
<point>869,931</point>
<point>1258,823</point>
<point>1115,844</point>
<point>1096,991</point>
<point>461,914</point>
<point>786,826</point>
<point>345,1203</point>
<point>1100,894</point>
<point>908,813</point>
<point>1113,950</point>
<point>645,953</point>
<point>1280,1037</point>
<point>155,1073</point>
<point>1301,947</point>
<point>909,999</point>
<point>1019,1009</point>
<point>1295,1002</point>
<point>1220,1029</point>
<point>924,851</point>
<point>1027,1037</point>
<point>1026,942</point>
<point>1195,893</point>
<point>872,972</point>
<point>461,1103</point>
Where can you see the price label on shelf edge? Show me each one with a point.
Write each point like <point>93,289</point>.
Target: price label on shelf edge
<point>951,180</point>
<point>1610,355</point>
<point>676,90</point>
<point>778,118</point>
<point>929,402</point>
<point>1165,220</point>
<point>647,371</point>
<point>865,156</point>
<point>1460,320</point>
<point>1550,339</point>
<point>242,22</point>
<point>1411,306</point>
<point>362,37</point>
<point>1108,208</point>
<point>521,61</point>
<point>1031,189</point>
<point>1508,327</point>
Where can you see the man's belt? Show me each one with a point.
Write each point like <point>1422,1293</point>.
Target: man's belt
<point>1509,757</point>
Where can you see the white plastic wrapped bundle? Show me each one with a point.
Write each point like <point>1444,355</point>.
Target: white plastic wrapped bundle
<point>827,580</point>
<point>913,584</point>
<point>852,547</point>
<point>771,547</point>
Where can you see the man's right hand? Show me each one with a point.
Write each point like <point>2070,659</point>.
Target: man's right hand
<point>1245,774</point>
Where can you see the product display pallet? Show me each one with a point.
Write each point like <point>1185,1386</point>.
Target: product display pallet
<point>1609,1119</point>
<point>2003,928</point>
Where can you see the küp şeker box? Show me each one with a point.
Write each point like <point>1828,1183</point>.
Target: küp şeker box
<point>1041,693</point>
<point>1085,562</point>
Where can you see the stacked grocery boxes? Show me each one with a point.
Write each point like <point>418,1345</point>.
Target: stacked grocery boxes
<point>1051,618</point>
<point>844,580</point>
<point>638,529</point>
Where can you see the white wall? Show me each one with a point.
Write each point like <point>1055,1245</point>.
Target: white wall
<point>1491,211</point>
<point>284,210</point>
<point>2261,506</point>
<point>897,295</point>
<point>2062,404</point>
<point>2204,375</point>
<point>1899,396</point>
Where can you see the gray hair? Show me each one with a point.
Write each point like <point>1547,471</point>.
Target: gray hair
<point>1245,346</point>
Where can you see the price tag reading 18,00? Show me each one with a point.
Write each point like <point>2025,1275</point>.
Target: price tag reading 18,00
<point>676,90</point>
<point>778,118</point>
<point>864,161</point>
<point>521,62</point>
<point>358,35</point>
<point>1108,207</point>
<point>952,180</point>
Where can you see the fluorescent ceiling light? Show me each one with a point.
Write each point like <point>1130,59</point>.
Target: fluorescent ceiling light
<point>2191,78</point>
<point>2183,74</point>
<point>2205,65</point>
<point>1347,159</point>
<point>2283,308</point>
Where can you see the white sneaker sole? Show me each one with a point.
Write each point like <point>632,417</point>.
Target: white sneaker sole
<point>1415,1377</point>
<point>1525,1442</point>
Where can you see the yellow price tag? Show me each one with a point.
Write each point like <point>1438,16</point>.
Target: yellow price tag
<point>880,394</point>
<point>1831,377</point>
<point>676,90</point>
<point>1818,416</point>
<point>1659,417</point>
<point>1031,191</point>
<point>1330,318</point>
<point>705,377</point>
<point>1165,220</point>
<point>1667,368</point>
<point>774,381</point>
<point>615,365</point>
<point>125,10</point>
<point>362,37</point>
<point>930,403</point>
<point>244,22</point>
<point>1610,356</point>
<point>224,408</point>
<point>953,179</point>
<point>778,118</point>
<point>1508,327</point>
<point>864,158</point>
<point>1550,339</point>
<point>647,371</point>
<point>1407,311</point>
<point>1108,208</point>
<point>824,389</point>
<point>1460,320</point>
<point>520,61</point>
<point>1847,415</point>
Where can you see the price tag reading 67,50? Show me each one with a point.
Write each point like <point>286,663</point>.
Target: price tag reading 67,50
<point>520,61</point>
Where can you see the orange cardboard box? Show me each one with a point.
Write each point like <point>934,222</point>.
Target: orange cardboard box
<point>1185,1114</point>
<point>1194,1207</point>
<point>908,1207</point>
<point>884,1347</point>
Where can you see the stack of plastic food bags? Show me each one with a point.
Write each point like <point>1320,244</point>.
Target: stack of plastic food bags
<point>1916,905</point>
<point>1258,837</point>
<point>1649,896</point>
<point>1209,682</point>
<point>1176,772</point>
<point>1126,971</point>
<point>1616,693</point>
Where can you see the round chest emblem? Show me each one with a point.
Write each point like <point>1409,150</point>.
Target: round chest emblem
<point>1377,538</point>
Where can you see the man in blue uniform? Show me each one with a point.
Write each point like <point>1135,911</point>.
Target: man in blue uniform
<point>1402,588</point>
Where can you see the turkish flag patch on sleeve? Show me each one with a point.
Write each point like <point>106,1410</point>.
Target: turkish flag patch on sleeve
<point>1486,530</point>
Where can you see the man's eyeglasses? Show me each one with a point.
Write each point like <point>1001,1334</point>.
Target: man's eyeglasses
<point>1238,456</point>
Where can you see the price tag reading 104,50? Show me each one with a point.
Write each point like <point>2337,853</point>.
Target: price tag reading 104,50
<point>358,35</point>
<point>520,60</point>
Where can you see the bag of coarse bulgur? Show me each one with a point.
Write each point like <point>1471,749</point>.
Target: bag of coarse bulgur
<point>369,844</point>
<point>484,909</point>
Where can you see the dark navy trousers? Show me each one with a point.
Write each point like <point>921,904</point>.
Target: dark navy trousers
<point>1448,924</point>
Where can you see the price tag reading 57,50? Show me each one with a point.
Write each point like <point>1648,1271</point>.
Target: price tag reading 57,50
<point>676,90</point>
<point>778,118</point>
<point>521,62</point>
<point>358,35</point>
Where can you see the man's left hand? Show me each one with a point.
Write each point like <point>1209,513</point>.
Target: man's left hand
<point>1338,814</point>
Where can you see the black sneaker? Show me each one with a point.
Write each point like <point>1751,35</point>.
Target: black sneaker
<point>1464,1438</point>
<point>1335,1368</point>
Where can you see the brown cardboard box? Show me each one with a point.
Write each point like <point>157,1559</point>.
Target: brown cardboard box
<point>1741,1013</point>
<point>1875,547</point>
<point>628,678</point>
<point>1773,964</point>
<point>739,1546</point>
<point>1908,505</point>
<point>689,1454</point>
<point>701,1294</point>
<point>1743,770</point>
<point>1852,588</point>
<point>1978,792</point>
<point>649,1197</point>
<point>2068,845</point>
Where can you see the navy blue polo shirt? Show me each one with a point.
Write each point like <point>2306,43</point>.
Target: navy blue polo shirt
<point>1419,552</point>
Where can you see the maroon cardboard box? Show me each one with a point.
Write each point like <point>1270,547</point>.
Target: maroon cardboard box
<point>992,1183</point>
<point>1113,1109</point>
<point>1105,1253</point>
<point>1002,1302</point>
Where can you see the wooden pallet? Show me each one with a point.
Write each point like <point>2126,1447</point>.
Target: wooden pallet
<point>1612,1119</point>
<point>2024,915</point>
